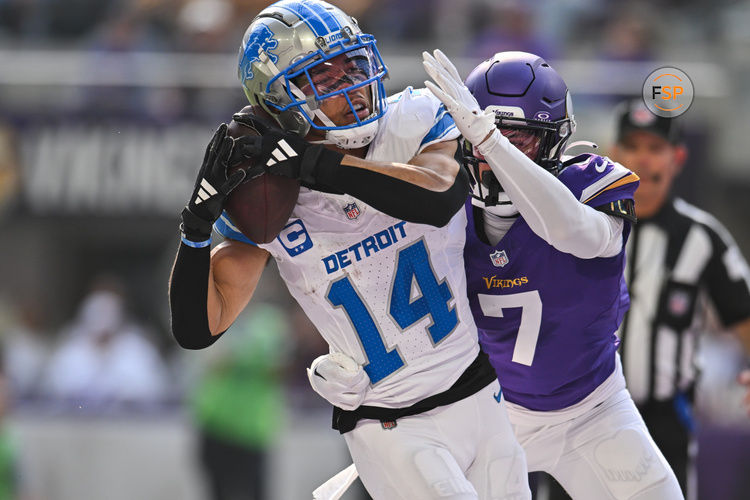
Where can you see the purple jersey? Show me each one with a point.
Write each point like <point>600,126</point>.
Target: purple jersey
<point>546,318</point>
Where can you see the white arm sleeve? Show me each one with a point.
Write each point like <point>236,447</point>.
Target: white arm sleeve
<point>548,207</point>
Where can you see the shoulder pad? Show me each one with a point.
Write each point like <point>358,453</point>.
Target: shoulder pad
<point>597,180</point>
<point>417,114</point>
<point>411,113</point>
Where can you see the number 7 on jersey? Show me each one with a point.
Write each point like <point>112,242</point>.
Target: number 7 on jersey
<point>531,320</point>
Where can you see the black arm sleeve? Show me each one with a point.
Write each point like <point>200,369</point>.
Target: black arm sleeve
<point>724,278</point>
<point>188,298</point>
<point>397,198</point>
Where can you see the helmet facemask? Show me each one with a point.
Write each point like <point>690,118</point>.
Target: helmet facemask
<point>350,72</point>
<point>541,141</point>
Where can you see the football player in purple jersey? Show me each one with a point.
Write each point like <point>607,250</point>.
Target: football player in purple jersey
<point>544,260</point>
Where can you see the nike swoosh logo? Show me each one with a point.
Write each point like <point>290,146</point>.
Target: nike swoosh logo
<point>315,372</point>
<point>498,396</point>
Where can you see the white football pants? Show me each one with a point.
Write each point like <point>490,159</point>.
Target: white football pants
<point>603,454</point>
<point>463,451</point>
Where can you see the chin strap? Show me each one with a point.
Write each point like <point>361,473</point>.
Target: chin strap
<point>588,144</point>
<point>349,138</point>
<point>353,138</point>
<point>575,144</point>
<point>504,207</point>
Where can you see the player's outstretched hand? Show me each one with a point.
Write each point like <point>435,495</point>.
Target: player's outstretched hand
<point>475,125</point>
<point>211,187</point>
<point>744,379</point>
<point>339,379</point>
<point>283,153</point>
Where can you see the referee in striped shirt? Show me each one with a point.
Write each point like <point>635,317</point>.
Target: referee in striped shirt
<point>683,272</point>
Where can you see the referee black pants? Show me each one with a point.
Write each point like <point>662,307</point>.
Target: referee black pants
<point>671,436</point>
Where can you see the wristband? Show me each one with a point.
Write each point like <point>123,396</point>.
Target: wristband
<point>195,244</point>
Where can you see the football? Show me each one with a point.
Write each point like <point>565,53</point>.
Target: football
<point>260,207</point>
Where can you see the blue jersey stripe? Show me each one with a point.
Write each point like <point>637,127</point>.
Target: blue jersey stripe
<point>227,229</point>
<point>443,125</point>
<point>316,25</point>
<point>447,132</point>
<point>328,18</point>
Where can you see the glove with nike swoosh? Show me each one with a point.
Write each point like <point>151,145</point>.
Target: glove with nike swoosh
<point>339,379</point>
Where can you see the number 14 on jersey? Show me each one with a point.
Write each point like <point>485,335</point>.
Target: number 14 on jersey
<point>412,266</point>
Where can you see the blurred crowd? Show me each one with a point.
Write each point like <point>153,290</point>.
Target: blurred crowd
<point>104,359</point>
<point>105,362</point>
<point>482,26</point>
<point>594,29</point>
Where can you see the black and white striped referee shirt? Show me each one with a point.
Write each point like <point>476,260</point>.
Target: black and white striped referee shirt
<point>684,271</point>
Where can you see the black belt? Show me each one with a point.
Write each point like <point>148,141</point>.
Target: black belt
<point>477,376</point>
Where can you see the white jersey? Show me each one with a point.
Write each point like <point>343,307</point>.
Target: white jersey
<point>391,294</point>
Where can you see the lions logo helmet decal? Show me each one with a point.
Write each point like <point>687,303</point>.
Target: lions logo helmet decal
<point>261,39</point>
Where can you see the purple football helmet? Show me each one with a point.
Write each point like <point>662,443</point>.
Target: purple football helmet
<point>532,108</point>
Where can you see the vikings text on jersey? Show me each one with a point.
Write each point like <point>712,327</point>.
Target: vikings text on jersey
<point>556,342</point>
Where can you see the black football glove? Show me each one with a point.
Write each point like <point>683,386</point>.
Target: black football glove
<point>212,186</point>
<point>284,153</point>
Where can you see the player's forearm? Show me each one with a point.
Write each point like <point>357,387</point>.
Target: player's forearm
<point>234,274</point>
<point>188,292</point>
<point>215,308</point>
<point>412,192</point>
<point>547,205</point>
<point>431,171</point>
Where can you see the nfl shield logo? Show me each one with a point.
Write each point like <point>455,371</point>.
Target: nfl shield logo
<point>352,211</point>
<point>679,302</point>
<point>499,258</point>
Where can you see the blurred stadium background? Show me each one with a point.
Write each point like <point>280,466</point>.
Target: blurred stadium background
<point>105,109</point>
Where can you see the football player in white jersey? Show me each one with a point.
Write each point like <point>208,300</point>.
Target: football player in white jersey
<point>372,252</point>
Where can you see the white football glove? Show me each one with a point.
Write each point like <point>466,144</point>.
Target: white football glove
<point>339,379</point>
<point>475,125</point>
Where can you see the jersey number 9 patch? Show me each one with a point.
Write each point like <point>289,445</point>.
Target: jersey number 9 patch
<point>412,266</point>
